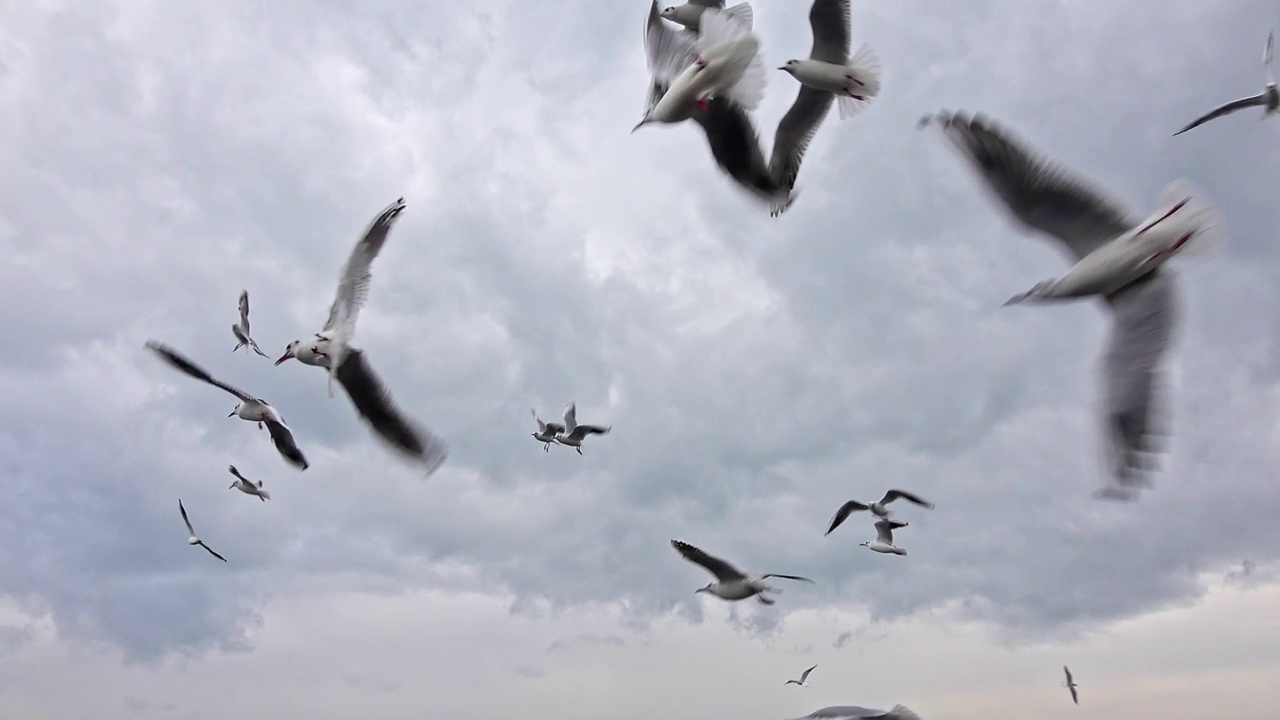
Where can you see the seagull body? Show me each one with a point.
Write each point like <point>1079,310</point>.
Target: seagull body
<point>249,408</point>
<point>853,712</point>
<point>1268,99</point>
<point>879,509</point>
<point>731,583</point>
<point>1070,684</point>
<point>192,539</point>
<point>1144,311</point>
<point>804,677</point>
<point>241,329</point>
<point>884,538</point>
<point>547,432</point>
<point>573,434</point>
<point>247,486</point>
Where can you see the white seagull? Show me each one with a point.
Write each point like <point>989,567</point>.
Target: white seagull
<point>1118,258</point>
<point>804,677</point>
<point>573,434</point>
<point>690,13</point>
<point>247,486</point>
<point>853,712</point>
<point>879,509</point>
<point>249,408</point>
<point>1070,684</point>
<point>731,583</point>
<point>241,329</point>
<point>884,538</point>
<point>827,74</point>
<point>193,540</point>
<point>547,432</point>
<point>1268,99</point>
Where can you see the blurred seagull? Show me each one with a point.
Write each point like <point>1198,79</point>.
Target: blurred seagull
<point>879,509</point>
<point>853,712</point>
<point>247,486</point>
<point>1070,684</point>
<point>804,676</point>
<point>241,329</point>
<point>193,540</point>
<point>547,432</point>
<point>827,74</point>
<point>731,583</point>
<point>1118,258</point>
<point>573,433</point>
<point>884,538</point>
<point>1268,99</point>
<point>249,408</point>
<point>690,14</point>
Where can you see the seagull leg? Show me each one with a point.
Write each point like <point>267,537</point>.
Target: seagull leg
<point>579,450</point>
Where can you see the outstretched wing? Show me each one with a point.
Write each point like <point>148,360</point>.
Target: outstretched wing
<point>788,577</point>
<point>1266,56</point>
<point>244,311</point>
<point>211,551</point>
<point>185,520</point>
<point>571,417</point>
<point>911,497</point>
<point>795,132</point>
<point>177,360</point>
<point>735,145</point>
<point>581,431</point>
<point>668,52</point>
<point>1227,109</point>
<point>375,406</point>
<point>723,571</point>
<point>829,20</point>
<point>843,513</point>
<point>885,528</point>
<point>282,438</point>
<point>804,676</point>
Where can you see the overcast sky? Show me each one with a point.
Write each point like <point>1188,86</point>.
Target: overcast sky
<point>159,157</point>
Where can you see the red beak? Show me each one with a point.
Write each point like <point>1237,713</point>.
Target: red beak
<point>283,357</point>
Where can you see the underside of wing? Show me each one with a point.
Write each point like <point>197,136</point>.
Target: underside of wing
<point>795,132</point>
<point>285,444</point>
<point>375,406</point>
<point>668,52</point>
<point>723,571</point>
<point>353,283</point>
<point>1233,106</point>
<point>735,145</point>
<point>829,21</point>
<point>181,362</point>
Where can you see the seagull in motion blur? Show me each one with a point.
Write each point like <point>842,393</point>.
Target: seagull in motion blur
<point>547,432</point>
<point>853,712</point>
<point>884,538</point>
<point>1070,684</point>
<point>1268,99</point>
<point>804,677</point>
<point>247,486</point>
<point>573,434</point>
<point>731,583</point>
<point>191,532</point>
<point>879,509</point>
<point>241,329</point>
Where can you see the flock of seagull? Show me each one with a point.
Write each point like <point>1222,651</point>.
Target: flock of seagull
<point>706,67</point>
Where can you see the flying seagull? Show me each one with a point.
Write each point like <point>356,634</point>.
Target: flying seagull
<point>241,329</point>
<point>247,486</point>
<point>1118,258</point>
<point>827,74</point>
<point>853,712</point>
<point>573,433</point>
<point>547,432</point>
<point>879,509</point>
<point>884,538</point>
<point>249,408</point>
<point>1268,99</point>
<point>804,676</point>
<point>1070,684</point>
<point>690,14</point>
<point>193,540</point>
<point>731,583</point>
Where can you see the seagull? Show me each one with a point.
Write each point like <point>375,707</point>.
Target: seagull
<point>884,538</point>
<point>249,408</point>
<point>827,74</point>
<point>193,540</point>
<point>853,712</point>
<point>573,433</point>
<point>1268,99</point>
<point>730,132</point>
<point>247,486</point>
<point>1070,684</point>
<point>353,290</point>
<point>1118,258</point>
<point>690,13</point>
<point>731,584</point>
<point>804,676</point>
<point>241,329</point>
<point>547,432</point>
<point>879,509</point>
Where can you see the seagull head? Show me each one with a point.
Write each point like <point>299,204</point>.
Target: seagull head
<point>235,410</point>
<point>288,351</point>
<point>668,13</point>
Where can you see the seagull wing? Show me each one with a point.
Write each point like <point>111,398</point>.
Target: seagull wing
<point>843,513</point>
<point>232,469</point>
<point>735,145</point>
<point>582,431</point>
<point>787,577</point>
<point>795,132</point>
<point>571,417</point>
<point>885,528</point>
<point>1227,109</point>
<point>723,571</point>
<point>668,52</point>
<point>708,3</point>
<point>253,344</point>
<point>804,676</point>
<point>1266,56</point>
<point>555,428</point>
<point>845,712</point>
<point>177,360</point>
<point>1075,697</point>
<point>1037,192</point>
<point>282,438</point>
<point>542,427</point>
<point>244,310</point>
<point>1068,672</point>
<point>895,494</point>
<point>829,20</point>
<point>185,519</point>
<point>211,551</point>
<point>375,406</point>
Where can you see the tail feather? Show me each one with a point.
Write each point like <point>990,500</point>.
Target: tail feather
<point>866,70</point>
<point>1184,223</point>
<point>264,495</point>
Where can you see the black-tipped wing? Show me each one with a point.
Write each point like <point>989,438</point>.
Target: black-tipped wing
<point>353,283</point>
<point>282,438</point>
<point>885,528</point>
<point>375,406</point>
<point>804,676</point>
<point>582,431</point>
<point>186,520</point>
<point>1068,673</point>
<point>788,577</point>
<point>177,360</point>
<point>723,571</point>
<point>232,469</point>
<point>1036,192</point>
<point>244,311</point>
<point>796,131</point>
<point>829,20</point>
<point>843,514</point>
<point>735,145</point>
<point>1233,106</point>
<point>211,551</point>
<point>911,497</point>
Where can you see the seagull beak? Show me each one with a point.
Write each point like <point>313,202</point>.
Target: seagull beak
<point>283,357</point>
<point>231,486</point>
<point>231,414</point>
<point>640,124</point>
<point>783,67</point>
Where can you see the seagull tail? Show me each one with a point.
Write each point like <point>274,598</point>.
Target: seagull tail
<point>264,494</point>
<point>863,76</point>
<point>1184,223</point>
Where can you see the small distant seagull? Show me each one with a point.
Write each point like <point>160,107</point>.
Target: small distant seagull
<point>879,509</point>
<point>804,676</point>
<point>731,583</point>
<point>1070,684</point>
<point>547,432</point>
<point>241,329</point>
<point>247,486</point>
<point>574,433</point>
<point>853,712</point>
<point>1268,99</point>
<point>193,540</point>
<point>827,74</point>
<point>249,408</point>
<point>884,538</point>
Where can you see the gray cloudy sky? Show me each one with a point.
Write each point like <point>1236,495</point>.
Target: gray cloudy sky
<point>160,157</point>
